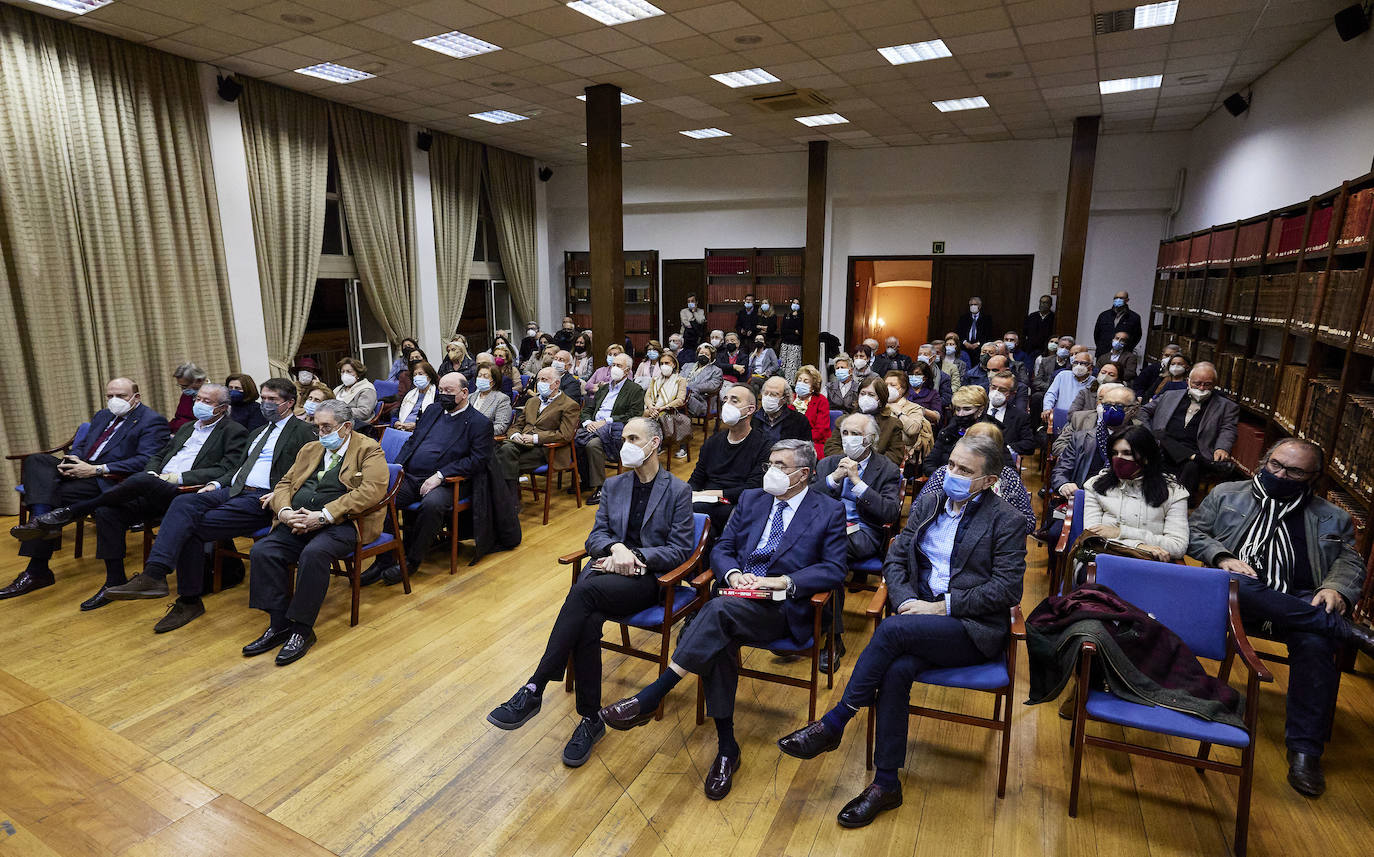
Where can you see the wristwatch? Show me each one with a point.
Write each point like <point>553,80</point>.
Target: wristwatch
<point>323,520</point>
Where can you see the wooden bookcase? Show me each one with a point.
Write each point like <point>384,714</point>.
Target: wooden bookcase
<point>642,321</point>
<point>774,273</point>
<point>1281,303</point>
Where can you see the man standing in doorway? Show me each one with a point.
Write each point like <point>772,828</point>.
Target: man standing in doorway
<point>1119,319</point>
<point>974,327</point>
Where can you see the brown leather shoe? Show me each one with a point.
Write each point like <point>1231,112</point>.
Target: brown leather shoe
<point>721,776</point>
<point>625,714</point>
<point>809,741</point>
<point>873,800</point>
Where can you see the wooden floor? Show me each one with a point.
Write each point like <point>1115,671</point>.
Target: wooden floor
<point>116,741</point>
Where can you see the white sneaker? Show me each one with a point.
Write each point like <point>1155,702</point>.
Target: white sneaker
<point>681,453</point>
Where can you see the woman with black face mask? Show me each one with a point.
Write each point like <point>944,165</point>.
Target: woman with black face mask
<point>968,405</point>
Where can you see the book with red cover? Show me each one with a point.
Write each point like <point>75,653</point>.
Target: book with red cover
<point>757,594</point>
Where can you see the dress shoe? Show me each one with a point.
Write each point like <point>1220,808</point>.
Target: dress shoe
<point>296,647</point>
<point>391,575</point>
<point>26,582</point>
<point>270,639</point>
<point>625,715</point>
<point>96,601</point>
<point>32,531</point>
<point>809,741</point>
<point>584,738</point>
<point>1305,773</point>
<point>372,573</point>
<point>1362,637</point>
<point>593,499</point>
<point>861,811</point>
<point>143,585</point>
<point>57,518</point>
<point>514,712</point>
<point>179,614</point>
<point>721,776</point>
<point>824,665</point>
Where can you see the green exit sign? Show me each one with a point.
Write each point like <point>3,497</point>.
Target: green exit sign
<point>937,246</point>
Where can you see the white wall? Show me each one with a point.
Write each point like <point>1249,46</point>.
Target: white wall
<point>1310,127</point>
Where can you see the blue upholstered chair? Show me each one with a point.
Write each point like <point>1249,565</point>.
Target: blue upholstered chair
<point>996,676</point>
<point>835,419</point>
<point>1199,605</point>
<point>681,597</point>
<point>1068,535</point>
<point>386,389</point>
<point>392,441</point>
<point>547,470</point>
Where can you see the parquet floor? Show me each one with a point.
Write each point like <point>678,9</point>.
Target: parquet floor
<point>116,741</point>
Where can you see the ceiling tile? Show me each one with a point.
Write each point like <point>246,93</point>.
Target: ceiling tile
<point>402,25</point>
<point>454,14</point>
<point>1042,11</point>
<point>1069,28</point>
<point>968,23</point>
<point>835,44</point>
<point>260,32</point>
<point>906,33</point>
<point>588,66</point>
<point>272,14</point>
<point>638,57</point>
<point>507,34</point>
<point>222,43</point>
<point>810,26</point>
<point>880,14</point>
<point>356,36</point>
<point>993,40</point>
<point>551,50</point>
<point>716,17</point>
<point>689,48</point>
<point>185,49</point>
<point>1063,48</point>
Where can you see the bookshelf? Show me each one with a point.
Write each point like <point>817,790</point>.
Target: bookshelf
<point>774,273</point>
<point>641,294</point>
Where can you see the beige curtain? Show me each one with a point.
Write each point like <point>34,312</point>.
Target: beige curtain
<point>510,189</point>
<point>373,153</point>
<point>455,174</point>
<point>110,250</point>
<point>286,137</point>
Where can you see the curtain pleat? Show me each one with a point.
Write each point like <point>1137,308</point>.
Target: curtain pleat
<point>455,170</point>
<point>286,139</point>
<point>373,154</point>
<point>510,189</point>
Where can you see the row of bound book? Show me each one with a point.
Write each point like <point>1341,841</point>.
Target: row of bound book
<point>1353,455</point>
<point>789,265</point>
<point>1319,417</point>
<point>577,267</point>
<point>777,294</point>
<point>1288,406</point>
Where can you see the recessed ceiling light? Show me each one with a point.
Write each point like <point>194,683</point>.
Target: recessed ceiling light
<point>622,145</point>
<point>1130,84</point>
<point>997,75</point>
<point>915,52</point>
<point>612,12</point>
<point>1156,14</point>
<point>79,7</point>
<point>744,77</point>
<point>822,119</point>
<point>748,39</point>
<point>625,98</point>
<point>334,72</point>
<point>502,84</point>
<point>498,117</point>
<point>960,104</point>
<point>703,133</point>
<point>299,20</point>
<point>456,44</point>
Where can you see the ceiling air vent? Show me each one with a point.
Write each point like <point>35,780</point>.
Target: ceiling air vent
<point>1114,22</point>
<point>796,101</point>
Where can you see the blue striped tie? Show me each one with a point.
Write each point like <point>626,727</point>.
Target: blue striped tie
<point>758,561</point>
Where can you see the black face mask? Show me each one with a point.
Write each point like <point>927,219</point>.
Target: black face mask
<point>580,350</point>
<point>964,422</point>
<point>1280,487</point>
<point>447,401</point>
<point>983,360</point>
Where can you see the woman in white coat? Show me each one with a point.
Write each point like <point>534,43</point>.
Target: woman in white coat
<point>1134,501</point>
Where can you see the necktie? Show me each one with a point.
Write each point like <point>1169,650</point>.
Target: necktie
<point>104,436</point>
<point>333,462</point>
<point>758,561</point>
<point>241,478</point>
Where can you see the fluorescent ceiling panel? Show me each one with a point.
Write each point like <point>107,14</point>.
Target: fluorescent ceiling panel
<point>612,12</point>
<point>915,52</point>
<point>334,72</point>
<point>1130,84</point>
<point>457,44</point>
<point>498,117</point>
<point>744,77</point>
<point>703,133</point>
<point>953,104</point>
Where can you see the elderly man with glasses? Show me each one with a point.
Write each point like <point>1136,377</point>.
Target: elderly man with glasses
<point>1196,427</point>
<point>1293,556</point>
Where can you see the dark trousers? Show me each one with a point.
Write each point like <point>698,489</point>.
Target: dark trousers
<point>193,521</point>
<point>141,498</point>
<point>719,514</point>
<point>45,488</point>
<point>902,647</point>
<point>1313,637</point>
<point>577,630</point>
<point>709,646</point>
<point>592,448</point>
<point>313,553</point>
<point>424,524</point>
<point>517,458</point>
<point>863,543</point>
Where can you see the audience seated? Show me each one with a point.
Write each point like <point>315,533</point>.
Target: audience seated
<point>1176,378</point>
<point>1122,357</point>
<point>603,373</point>
<point>776,415</point>
<point>642,531</point>
<point>785,537</point>
<point>704,380</point>
<point>891,439</point>
<point>404,382</point>
<point>566,333</point>
<point>842,390</point>
<point>946,614</point>
<point>543,356</point>
<point>1196,428</point>
<point>1086,452</point>
<point>666,402</point>
<point>228,507</point>
<point>568,383</point>
<point>189,378</point>
<point>810,401</point>
<point>341,474</point>
<point>938,382</point>
<point>548,417</point>
<point>891,358</point>
<point>425,383</point>
<point>602,420</point>
<point>456,357</point>
<point>489,400</point>
<point>1293,556</point>
<point>733,362</point>
<point>1134,501</point>
<point>243,401</point>
<point>916,430</point>
<point>1008,485</point>
<point>402,361</point>
<point>122,436</point>
<point>356,391</point>
<point>583,363</point>
<point>677,347</point>
<point>1116,406</point>
<point>763,361</point>
<point>1067,385</point>
<point>1087,398</point>
<point>1047,369</point>
<point>953,360</point>
<point>1148,377</point>
<point>507,376</point>
<point>315,394</point>
<point>731,461</point>
<point>1009,413</point>
<point>978,372</point>
<point>861,357</point>
<point>305,372</point>
<point>970,406</point>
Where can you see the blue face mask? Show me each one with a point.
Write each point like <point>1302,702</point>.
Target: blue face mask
<point>916,380</point>
<point>958,488</point>
<point>188,392</point>
<point>331,441</point>
<point>1118,303</point>
<point>1062,353</point>
<point>1118,344</point>
<point>1113,415</point>
<point>203,411</point>
<point>651,354</point>
<point>842,374</point>
<point>483,385</point>
<point>544,389</point>
<point>236,396</point>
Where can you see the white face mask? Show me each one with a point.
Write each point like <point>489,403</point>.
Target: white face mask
<point>765,306</point>
<point>893,394</point>
<point>633,455</point>
<point>796,307</point>
<point>421,382</point>
<point>715,341</point>
<point>997,398</point>
<point>691,305</point>
<point>776,482</point>
<point>665,370</point>
<point>974,308</point>
<point>348,379</point>
<point>1177,371</point>
<point>117,406</point>
<point>305,377</point>
<point>868,404</point>
<point>803,389</point>
<point>1080,369</point>
<point>730,413</point>
<point>1104,378</point>
<point>748,304</point>
<point>559,366</point>
<point>854,445</point>
<point>771,404</point>
<point>1010,343</point>
<point>860,364</point>
<point>1198,395</point>
<point>617,374</point>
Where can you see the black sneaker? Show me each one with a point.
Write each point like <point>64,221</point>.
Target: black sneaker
<point>583,739</point>
<point>513,713</point>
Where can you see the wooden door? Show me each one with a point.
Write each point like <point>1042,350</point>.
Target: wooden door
<point>1003,282</point>
<point>681,277</point>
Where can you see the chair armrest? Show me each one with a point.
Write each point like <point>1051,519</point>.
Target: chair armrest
<point>454,480</point>
<point>1018,622</point>
<point>1063,543</point>
<point>877,603</point>
<point>1243,648</point>
<point>189,489</point>
<point>568,559</point>
<point>680,573</point>
<point>820,598</point>
<point>20,456</point>
<point>380,504</point>
<point>498,438</point>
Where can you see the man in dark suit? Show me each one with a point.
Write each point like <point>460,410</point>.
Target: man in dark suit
<point>1120,318</point>
<point>643,531</point>
<point>450,440</point>
<point>1038,327</point>
<point>891,358</point>
<point>201,450</point>
<point>122,437</point>
<point>1196,427</point>
<point>975,328</point>
<point>952,577</point>
<point>746,319</point>
<point>785,538</point>
<point>870,487</point>
<point>1007,405</point>
<point>1148,375</point>
<point>228,507</point>
<point>548,417</point>
<point>776,414</point>
<point>603,418</point>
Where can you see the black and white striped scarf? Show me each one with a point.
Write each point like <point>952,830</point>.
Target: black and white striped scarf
<point>1266,545</point>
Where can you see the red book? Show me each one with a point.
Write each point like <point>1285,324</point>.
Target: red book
<point>758,594</point>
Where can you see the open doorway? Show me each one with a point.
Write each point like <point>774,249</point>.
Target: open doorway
<point>891,298</point>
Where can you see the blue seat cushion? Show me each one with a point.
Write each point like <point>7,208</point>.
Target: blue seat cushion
<point>413,507</point>
<point>989,676</point>
<point>1113,709</point>
<point>383,539</point>
<point>651,618</point>
<point>540,470</point>
<point>261,534</point>
<point>786,644</point>
<point>872,565</point>
<point>19,488</point>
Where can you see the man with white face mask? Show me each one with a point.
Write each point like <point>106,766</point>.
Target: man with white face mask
<point>869,486</point>
<point>974,328</point>
<point>603,418</point>
<point>785,538</point>
<point>730,461</point>
<point>1196,427</point>
<point>776,415</point>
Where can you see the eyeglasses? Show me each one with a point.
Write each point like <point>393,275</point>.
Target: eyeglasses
<point>782,467</point>
<point>1298,473</point>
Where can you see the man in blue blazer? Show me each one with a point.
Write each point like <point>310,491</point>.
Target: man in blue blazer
<point>450,440</point>
<point>643,531</point>
<point>122,437</point>
<point>792,541</point>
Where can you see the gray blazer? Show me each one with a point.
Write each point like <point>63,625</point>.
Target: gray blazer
<point>1218,524</point>
<point>496,408</point>
<point>881,503</point>
<point>986,569</point>
<point>1217,429</point>
<point>666,535</point>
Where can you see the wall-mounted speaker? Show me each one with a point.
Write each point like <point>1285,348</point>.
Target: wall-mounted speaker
<point>1236,104</point>
<point>424,140</point>
<point>1352,21</point>
<point>229,88</point>
<point>545,173</point>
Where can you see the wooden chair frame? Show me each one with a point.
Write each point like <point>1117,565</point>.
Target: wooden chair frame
<point>23,503</point>
<point>533,487</point>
